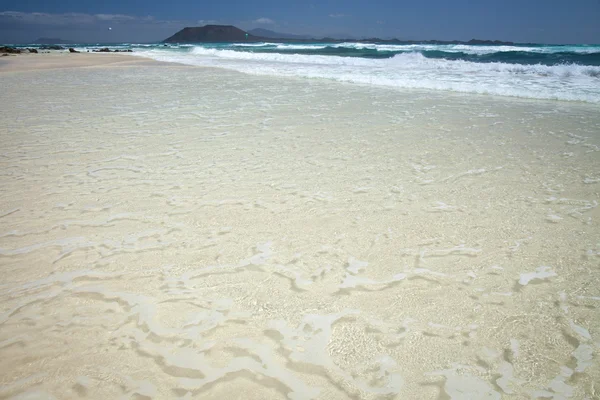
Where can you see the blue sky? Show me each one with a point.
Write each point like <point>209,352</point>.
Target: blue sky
<point>550,21</point>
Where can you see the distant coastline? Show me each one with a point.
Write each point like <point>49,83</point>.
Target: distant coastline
<point>46,40</point>
<point>230,33</point>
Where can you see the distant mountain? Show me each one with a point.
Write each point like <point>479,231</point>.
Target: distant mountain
<point>211,34</point>
<point>488,42</point>
<point>229,33</point>
<point>343,36</point>
<point>265,33</point>
<point>45,40</point>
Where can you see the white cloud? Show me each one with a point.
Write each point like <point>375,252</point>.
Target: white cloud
<point>264,21</point>
<point>208,22</point>
<point>337,15</point>
<point>114,17</point>
<point>68,19</point>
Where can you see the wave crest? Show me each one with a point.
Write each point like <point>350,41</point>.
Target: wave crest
<point>414,69</point>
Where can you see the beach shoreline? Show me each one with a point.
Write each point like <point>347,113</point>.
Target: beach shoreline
<point>62,60</point>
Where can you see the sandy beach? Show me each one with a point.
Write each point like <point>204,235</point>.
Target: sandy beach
<point>64,60</point>
<point>179,232</point>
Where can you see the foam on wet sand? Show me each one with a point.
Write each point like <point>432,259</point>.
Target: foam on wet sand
<point>182,232</point>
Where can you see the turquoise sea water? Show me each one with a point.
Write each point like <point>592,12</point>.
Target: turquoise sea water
<point>556,72</point>
<point>519,54</point>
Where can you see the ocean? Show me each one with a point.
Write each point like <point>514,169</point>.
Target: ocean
<point>554,72</point>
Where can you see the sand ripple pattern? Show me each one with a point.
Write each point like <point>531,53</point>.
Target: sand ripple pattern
<point>169,232</point>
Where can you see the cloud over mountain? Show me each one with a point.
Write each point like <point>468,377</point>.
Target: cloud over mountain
<point>264,21</point>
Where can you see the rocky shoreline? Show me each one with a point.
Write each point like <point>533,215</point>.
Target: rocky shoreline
<point>5,50</point>
<point>8,51</point>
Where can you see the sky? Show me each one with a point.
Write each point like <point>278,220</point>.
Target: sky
<point>137,21</point>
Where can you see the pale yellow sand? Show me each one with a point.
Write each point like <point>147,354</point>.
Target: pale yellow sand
<point>62,60</point>
<point>176,232</point>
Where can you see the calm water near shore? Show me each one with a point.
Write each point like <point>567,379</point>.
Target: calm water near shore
<point>182,232</point>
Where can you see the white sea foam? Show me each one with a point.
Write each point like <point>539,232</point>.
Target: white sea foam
<point>407,70</point>
<point>285,46</point>
<point>468,49</point>
<point>448,48</point>
<point>263,44</point>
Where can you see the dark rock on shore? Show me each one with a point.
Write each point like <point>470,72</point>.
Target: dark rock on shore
<point>32,51</point>
<point>72,50</point>
<point>9,50</point>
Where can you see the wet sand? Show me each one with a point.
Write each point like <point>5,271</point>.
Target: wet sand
<point>179,232</point>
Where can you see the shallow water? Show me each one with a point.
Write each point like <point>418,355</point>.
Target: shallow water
<point>545,72</point>
<point>180,232</point>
